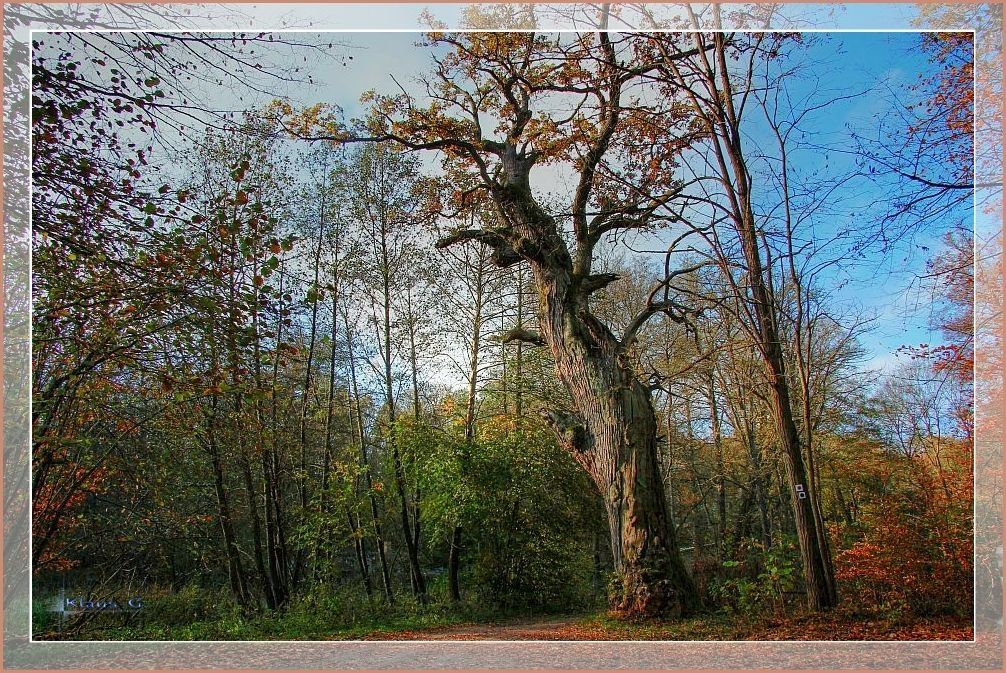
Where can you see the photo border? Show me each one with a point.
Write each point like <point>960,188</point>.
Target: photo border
<point>985,652</point>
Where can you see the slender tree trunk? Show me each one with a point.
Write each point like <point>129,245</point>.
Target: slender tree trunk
<point>326,468</point>
<point>382,552</point>
<point>280,568</point>
<point>820,583</point>
<point>454,560</point>
<point>843,505</point>
<point>235,572</point>
<point>361,554</point>
<point>519,359</point>
<point>414,370</point>
<point>723,120</point>
<point>721,487</point>
<point>275,595</point>
<point>256,522</point>
<point>415,572</point>
<point>242,449</point>
<point>355,525</point>
<point>742,527</point>
<point>717,436</point>
<point>303,480</point>
<point>816,566</point>
<point>818,577</point>
<point>669,474</point>
<point>760,483</point>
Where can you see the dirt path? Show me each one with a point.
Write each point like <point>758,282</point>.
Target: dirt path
<point>805,627</point>
<point>554,628</point>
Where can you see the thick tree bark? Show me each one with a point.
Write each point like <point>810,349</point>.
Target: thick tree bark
<point>612,430</point>
<point>616,443</point>
<point>817,576</point>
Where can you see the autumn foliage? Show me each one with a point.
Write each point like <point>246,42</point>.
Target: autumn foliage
<point>914,546</point>
<point>301,378</point>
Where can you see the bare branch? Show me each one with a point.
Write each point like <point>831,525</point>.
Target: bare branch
<point>525,335</point>
<point>597,281</point>
<point>503,253</point>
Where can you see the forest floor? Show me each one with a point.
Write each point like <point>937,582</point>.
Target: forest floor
<point>440,622</point>
<point>835,626</point>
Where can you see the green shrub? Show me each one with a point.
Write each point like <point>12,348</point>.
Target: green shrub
<point>188,605</point>
<point>757,579</point>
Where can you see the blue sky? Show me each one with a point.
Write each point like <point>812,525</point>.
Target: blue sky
<point>885,287</point>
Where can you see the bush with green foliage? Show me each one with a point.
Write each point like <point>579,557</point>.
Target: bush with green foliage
<point>758,578</point>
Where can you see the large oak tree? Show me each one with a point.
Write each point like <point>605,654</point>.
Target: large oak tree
<point>502,106</point>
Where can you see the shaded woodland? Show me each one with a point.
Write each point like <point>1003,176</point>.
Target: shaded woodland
<point>301,377</point>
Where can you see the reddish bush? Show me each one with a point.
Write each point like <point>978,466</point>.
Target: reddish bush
<point>915,546</point>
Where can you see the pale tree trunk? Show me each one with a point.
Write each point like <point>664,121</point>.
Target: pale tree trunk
<point>417,498</point>
<point>305,402</point>
<point>478,285</point>
<point>375,513</point>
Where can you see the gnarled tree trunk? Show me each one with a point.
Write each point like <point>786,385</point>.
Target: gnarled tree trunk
<point>611,430</point>
<point>613,435</point>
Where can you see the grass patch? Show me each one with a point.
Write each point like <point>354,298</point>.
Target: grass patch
<point>712,626</point>
<point>201,615</point>
<point>196,614</point>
